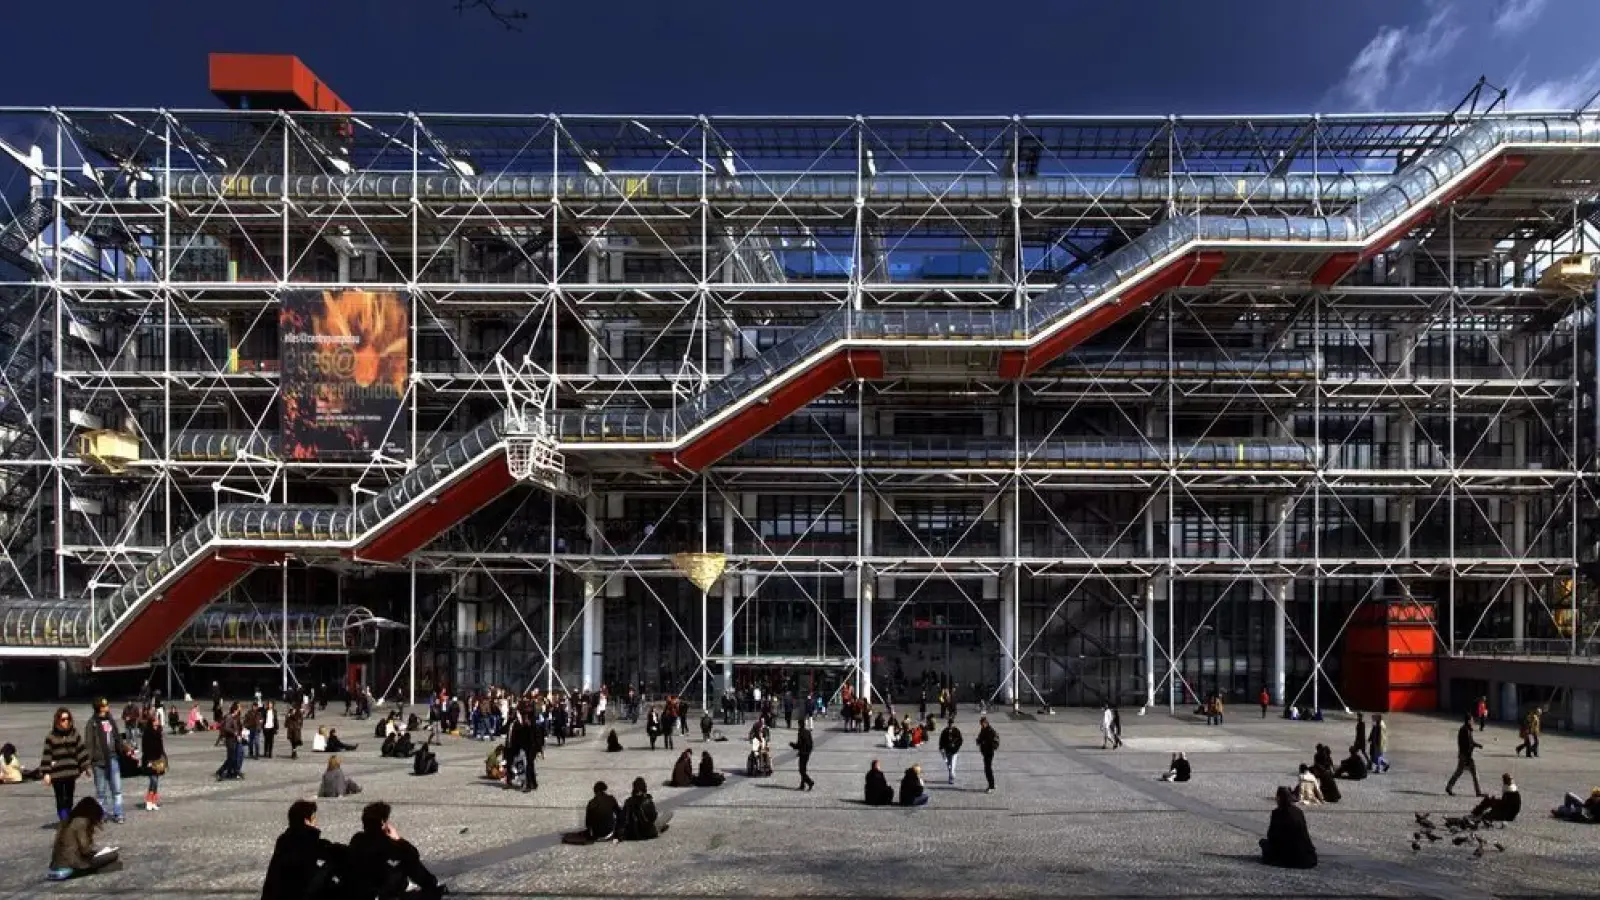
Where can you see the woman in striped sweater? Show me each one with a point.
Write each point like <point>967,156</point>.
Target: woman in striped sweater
<point>65,758</point>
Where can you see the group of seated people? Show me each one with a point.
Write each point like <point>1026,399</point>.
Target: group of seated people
<point>1318,782</point>
<point>326,740</point>
<point>912,790</point>
<point>376,863</point>
<point>684,774</point>
<point>606,820</point>
<point>1302,713</point>
<point>397,746</point>
<point>907,734</point>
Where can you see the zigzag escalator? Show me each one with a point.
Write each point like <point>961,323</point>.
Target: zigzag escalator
<point>134,622</point>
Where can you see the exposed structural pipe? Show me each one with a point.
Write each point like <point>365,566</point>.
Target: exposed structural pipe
<point>786,189</point>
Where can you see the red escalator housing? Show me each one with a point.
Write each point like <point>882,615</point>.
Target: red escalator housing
<point>435,516</point>
<point>769,411</point>
<point>159,620</point>
<point>1192,270</point>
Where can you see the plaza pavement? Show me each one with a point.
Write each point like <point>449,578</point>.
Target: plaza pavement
<point>1068,820</point>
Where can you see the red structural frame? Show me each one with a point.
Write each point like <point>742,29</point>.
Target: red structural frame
<point>155,623</point>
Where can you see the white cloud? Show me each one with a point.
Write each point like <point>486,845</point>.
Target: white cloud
<point>1397,53</point>
<point>1568,92</point>
<point>1516,15</point>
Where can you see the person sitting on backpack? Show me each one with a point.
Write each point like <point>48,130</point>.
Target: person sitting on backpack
<point>613,745</point>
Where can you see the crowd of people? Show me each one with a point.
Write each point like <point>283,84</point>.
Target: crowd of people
<point>111,749</point>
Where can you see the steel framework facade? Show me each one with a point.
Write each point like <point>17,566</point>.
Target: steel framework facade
<point>1197,498</point>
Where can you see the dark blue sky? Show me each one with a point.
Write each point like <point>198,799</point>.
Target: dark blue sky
<point>824,56</point>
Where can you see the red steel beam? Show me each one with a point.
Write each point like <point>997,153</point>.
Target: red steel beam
<point>438,514</point>
<point>161,619</point>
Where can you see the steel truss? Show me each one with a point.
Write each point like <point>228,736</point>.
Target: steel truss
<point>633,261</point>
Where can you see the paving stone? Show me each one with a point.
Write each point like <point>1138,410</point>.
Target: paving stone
<point>1069,819</point>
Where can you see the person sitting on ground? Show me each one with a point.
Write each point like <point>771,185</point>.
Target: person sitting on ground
<point>708,776</point>
<point>381,865</point>
<point>304,863</point>
<point>335,783</point>
<point>413,723</point>
<point>390,747</point>
<point>1322,757</point>
<point>10,765</point>
<point>601,815</point>
<point>319,741</point>
<point>912,792</point>
<point>1575,809</point>
<point>1288,841</point>
<point>879,723</point>
<point>337,746</point>
<point>494,765</point>
<point>1178,769</point>
<point>425,762</point>
<point>891,736</point>
<point>195,721</point>
<point>683,770</point>
<point>1308,791</point>
<point>613,745</point>
<point>640,821</point>
<point>1503,808</point>
<point>74,853</point>
<point>878,792</point>
<point>403,748</point>
<point>1326,782</point>
<point>1352,767</point>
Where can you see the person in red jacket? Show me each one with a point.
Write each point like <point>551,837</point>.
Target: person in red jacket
<point>1266,701</point>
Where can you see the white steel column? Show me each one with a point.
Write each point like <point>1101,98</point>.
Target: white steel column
<point>727,583</point>
<point>1009,513</point>
<point>594,611</point>
<point>866,584</point>
<point>1280,609</point>
<point>1519,504</point>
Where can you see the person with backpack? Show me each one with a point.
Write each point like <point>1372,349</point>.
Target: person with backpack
<point>988,743</point>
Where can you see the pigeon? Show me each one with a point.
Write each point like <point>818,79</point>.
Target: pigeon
<point>1423,820</point>
<point>1459,841</point>
<point>1415,846</point>
<point>463,829</point>
<point>1434,837</point>
<point>1499,846</point>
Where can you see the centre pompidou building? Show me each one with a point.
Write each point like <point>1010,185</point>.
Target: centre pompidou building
<point>1058,409</point>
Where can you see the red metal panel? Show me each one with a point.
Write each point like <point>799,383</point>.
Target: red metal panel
<point>158,620</point>
<point>271,81</point>
<point>1500,173</point>
<point>432,518</point>
<point>784,400</point>
<point>1337,266</point>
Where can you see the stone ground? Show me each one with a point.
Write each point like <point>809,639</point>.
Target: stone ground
<point>1068,819</point>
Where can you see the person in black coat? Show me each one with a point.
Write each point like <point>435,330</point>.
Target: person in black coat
<point>601,815</point>
<point>878,792</point>
<point>1352,767</point>
<point>708,776</point>
<point>1503,808</point>
<point>640,821</point>
<point>613,745</point>
<point>304,864</point>
<point>1288,841</point>
<point>803,746</point>
<point>519,739</point>
<point>683,770</point>
<point>1178,769</point>
<point>911,789</point>
<point>380,864</point>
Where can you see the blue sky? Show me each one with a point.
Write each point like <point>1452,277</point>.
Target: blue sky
<point>824,56</point>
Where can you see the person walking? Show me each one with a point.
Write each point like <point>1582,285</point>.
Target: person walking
<point>1529,732</point>
<point>1361,738</point>
<point>988,743</point>
<point>269,729</point>
<point>293,725</point>
<point>65,759</point>
<point>1465,744</point>
<point>652,726</point>
<point>153,754</point>
<point>1378,744</point>
<point>803,746</point>
<point>1266,701</point>
<point>106,750</point>
<point>1116,728</point>
<point>1105,726</point>
<point>1481,712</point>
<point>950,747</point>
